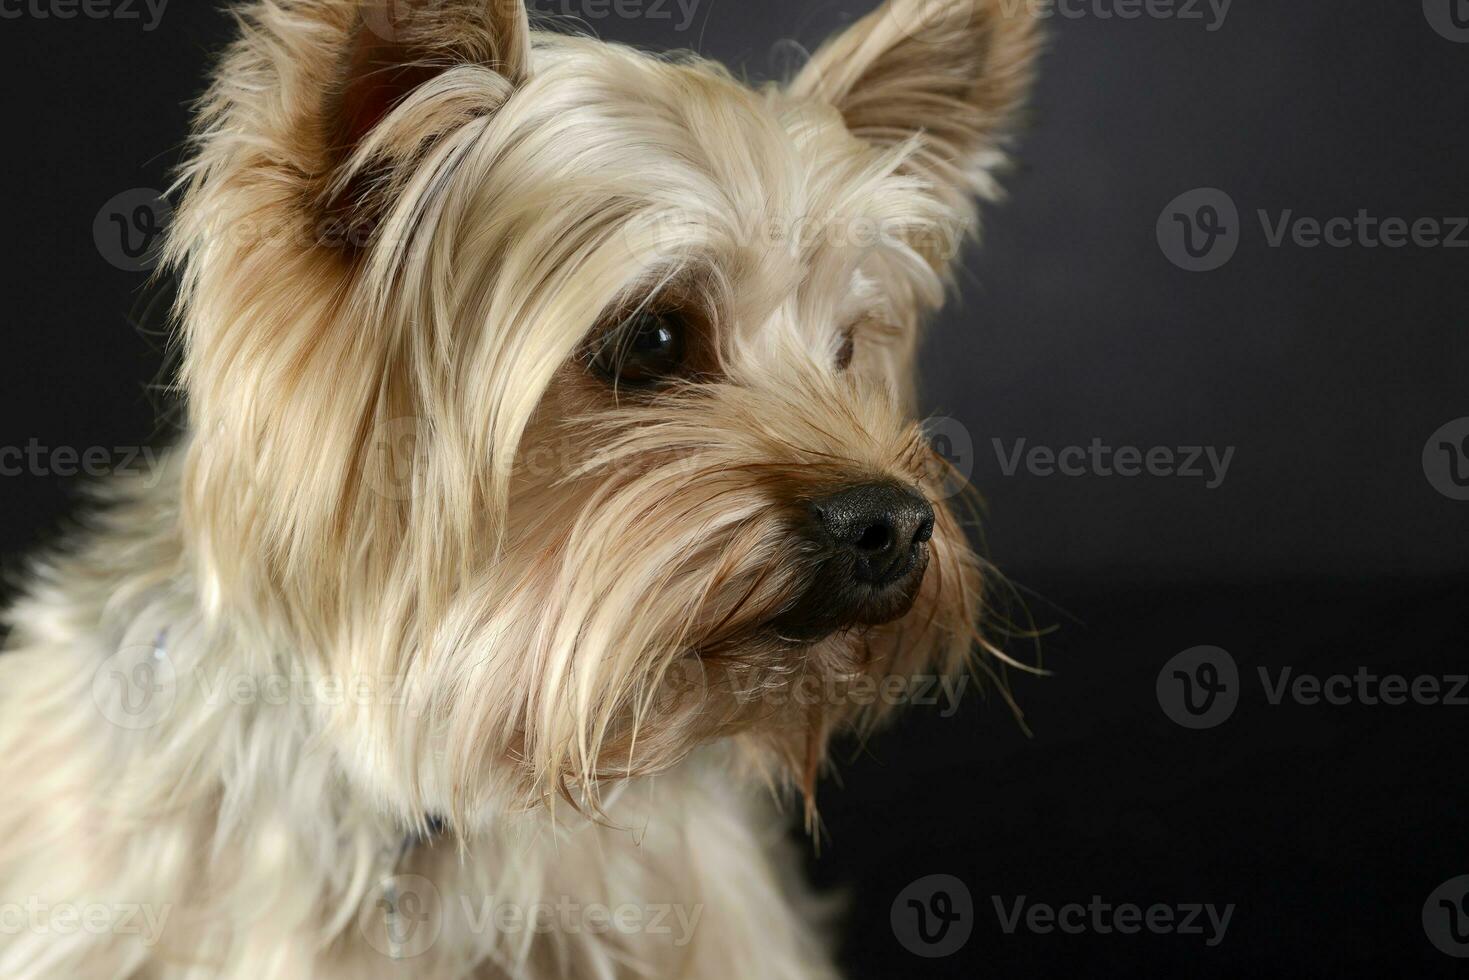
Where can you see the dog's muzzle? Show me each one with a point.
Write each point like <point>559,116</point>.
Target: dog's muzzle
<point>869,545</point>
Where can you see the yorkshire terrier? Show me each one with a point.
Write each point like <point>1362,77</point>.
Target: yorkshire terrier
<point>550,424</point>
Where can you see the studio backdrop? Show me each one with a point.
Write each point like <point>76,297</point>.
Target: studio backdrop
<point>1208,369</point>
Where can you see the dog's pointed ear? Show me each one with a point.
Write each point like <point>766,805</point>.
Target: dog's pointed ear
<point>953,73</point>
<point>395,48</point>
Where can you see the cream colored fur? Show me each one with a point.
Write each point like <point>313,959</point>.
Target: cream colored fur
<point>413,561</point>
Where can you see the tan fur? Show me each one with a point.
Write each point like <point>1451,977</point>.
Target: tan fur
<point>400,474</point>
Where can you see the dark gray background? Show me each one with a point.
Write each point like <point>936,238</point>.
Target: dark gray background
<point>1326,549</point>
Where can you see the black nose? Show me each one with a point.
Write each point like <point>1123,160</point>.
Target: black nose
<point>879,526</point>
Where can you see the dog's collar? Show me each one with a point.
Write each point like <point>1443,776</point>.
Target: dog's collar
<point>433,826</point>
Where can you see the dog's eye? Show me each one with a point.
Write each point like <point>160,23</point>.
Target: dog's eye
<point>646,350</point>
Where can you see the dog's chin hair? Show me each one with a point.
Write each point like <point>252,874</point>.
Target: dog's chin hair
<point>647,622</point>
<point>685,552</point>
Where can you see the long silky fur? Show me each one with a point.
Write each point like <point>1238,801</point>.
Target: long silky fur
<point>398,468</point>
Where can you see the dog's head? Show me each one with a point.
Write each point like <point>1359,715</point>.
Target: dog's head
<point>574,386</point>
